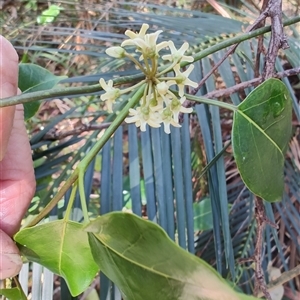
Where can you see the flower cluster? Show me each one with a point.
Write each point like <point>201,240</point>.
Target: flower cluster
<point>158,104</point>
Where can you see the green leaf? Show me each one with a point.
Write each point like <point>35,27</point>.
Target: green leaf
<point>202,215</point>
<point>33,78</point>
<point>13,294</point>
<point>203,219</point>
<point>146,264</point>
<point>62,247</point>
<point>262,127</point>
<point>49,15</point>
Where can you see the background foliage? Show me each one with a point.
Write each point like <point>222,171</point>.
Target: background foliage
<point>212,214</point>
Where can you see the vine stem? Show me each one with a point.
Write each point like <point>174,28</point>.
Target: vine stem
<point>82,197</point>
<point>211,102</point>
<point>238,39</point>
<point>85,90</point>
<point>71,201</point>
<point>81,168</point>
<point>18,285</point>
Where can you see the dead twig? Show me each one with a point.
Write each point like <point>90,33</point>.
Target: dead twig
<point>241,86</point>
<point>253,82</point>
<point>285,277</point>
<point>260,287</point>
<point>269,11</point>
<point>260,44</point>
<point>278,39</point>
<point>272,9</point>
<point>261,220</point>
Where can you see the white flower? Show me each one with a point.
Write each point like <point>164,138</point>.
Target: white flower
<point>178,55</point>
<point>117,52</point>
<point>159,104</point>
<point>145,43</point>
<point>143,116</point>
<point>176,107</point>
<point>111,93</point>
<point>156,104</point>
<point>167,119</point>
<point>141,34</point>
<point>163,94</point>
<point>181,79</point>
<point>150,48</point>
<point>162,88</point>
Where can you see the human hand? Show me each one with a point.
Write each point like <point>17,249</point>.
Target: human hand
<point>17,182</point>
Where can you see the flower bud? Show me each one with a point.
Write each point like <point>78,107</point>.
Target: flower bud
<point>117,52</point>
<point>162,88</point>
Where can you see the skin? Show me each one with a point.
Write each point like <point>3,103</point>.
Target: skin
<point>17,182</point>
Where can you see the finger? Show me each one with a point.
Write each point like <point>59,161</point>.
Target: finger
<point>16,176</point>
<point>16,172</point>
<point>10,260</point>
<point>8,88</point>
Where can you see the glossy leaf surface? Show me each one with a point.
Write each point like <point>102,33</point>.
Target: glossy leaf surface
<point>33,78</point>
<point>261,131</point>
<point>146,264</point>
<point>13,294</point>
<point>63,248</point>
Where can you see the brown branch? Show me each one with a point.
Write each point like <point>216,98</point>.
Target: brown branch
<point>285,277</point>
<point>216,66</point>
<point>241,86</point>
<point>202,81</point>
<point>260,287</point>
<point>253,82</point>
<point>236,88</point>
<point>272,9</point>
<point>261,221</point>
<point>278,39</point>
<point>230,51</point>
<point>260,218</point>
<point>260,44</point>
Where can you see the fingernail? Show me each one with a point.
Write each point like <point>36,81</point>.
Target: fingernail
<point>10,265</point>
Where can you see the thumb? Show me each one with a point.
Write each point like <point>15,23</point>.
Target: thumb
<point>10,260</point>
<point>8,88</point>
